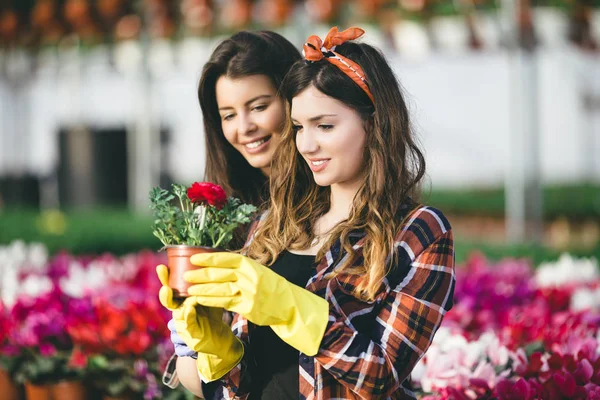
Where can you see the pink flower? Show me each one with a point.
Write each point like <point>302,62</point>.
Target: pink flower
<point>519,390</point>
<point>583,373</point>
<point>593,392</point>
<point>565,384</point>
<point>47,350</point>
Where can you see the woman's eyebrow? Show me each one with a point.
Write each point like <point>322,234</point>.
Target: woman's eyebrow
<point>252,100</point>
<point>316,118</point>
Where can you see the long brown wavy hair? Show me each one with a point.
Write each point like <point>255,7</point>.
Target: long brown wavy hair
<point>393,162</point>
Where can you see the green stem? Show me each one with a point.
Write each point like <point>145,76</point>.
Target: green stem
<point>175,235</point>
<point>220,238</point>
<point>181,203</point>
<point>212,239</point>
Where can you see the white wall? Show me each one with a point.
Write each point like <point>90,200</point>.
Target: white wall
<point>460,105</point>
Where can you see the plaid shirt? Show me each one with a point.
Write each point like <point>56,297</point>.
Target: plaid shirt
<point>370,347</point>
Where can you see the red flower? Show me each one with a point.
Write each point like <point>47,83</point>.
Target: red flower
<point>533,368</point>
<point>113,322</point>
<point>207,193</point>
<point>78,358</point>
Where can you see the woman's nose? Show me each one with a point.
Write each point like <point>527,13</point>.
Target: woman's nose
<point>306,142</point>
<point>245,124</point>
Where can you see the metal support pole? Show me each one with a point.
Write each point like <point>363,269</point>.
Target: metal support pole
<point>523,196</point>
<point>144,137</point>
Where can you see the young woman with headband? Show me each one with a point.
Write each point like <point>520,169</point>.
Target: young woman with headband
<point>243,119</point>
<point>346,278</point>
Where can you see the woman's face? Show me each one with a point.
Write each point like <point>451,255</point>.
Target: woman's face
<point>252,117</point>
<point>331,137</point>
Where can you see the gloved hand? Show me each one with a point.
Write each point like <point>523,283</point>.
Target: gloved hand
<point>244,286</point>
<point>181,349</point>
<point>165,294</point>
<point>195,328</point>
<point>203,331</point>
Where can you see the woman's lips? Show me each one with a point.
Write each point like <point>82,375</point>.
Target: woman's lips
<point>258,145</point>
<point>318,165</point>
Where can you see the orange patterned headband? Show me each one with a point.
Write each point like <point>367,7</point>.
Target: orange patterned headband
<point>315,50</point>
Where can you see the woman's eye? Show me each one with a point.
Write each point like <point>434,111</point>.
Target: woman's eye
<point>260,108</point>
<point>227,117</point>
<point>326,127</point>
<point>296,128</point>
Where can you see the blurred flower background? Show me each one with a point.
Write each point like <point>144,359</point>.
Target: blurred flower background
<point>99,104</point>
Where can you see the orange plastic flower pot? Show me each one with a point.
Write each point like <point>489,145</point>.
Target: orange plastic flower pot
<point>68,390</point>
<point>8,389</point>
<point>37,392</point>
<point>179,262</point>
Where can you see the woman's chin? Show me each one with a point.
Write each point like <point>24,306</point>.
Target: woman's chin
<point>261,161</point>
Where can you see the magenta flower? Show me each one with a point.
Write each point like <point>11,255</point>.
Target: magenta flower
<point>519,390</point>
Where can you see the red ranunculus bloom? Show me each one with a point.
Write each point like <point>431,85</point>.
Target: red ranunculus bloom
<point>207,193</point>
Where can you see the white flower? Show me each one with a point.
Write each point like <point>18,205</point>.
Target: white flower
<point>585,299</point>
<point>80,280</point>
<point>123,269</point>
<point>452,360</point>
<point>35,286</point>
<point>17,257</point>
<point>37,256</point>
<point>17,252</point>
<point>9,286</point>
<point>418,371</point>
<point>567,270</point>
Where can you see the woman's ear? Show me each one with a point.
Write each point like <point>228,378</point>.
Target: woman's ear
<point>369,123</point>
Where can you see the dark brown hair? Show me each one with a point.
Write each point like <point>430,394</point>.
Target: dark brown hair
<point>243,54</point>
<point>394,166</point>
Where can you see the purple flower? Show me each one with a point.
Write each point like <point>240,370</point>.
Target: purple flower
<point>141,368</point>
<point>152,390</point>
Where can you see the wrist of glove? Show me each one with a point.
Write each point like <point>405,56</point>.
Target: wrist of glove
<point>181,349</point>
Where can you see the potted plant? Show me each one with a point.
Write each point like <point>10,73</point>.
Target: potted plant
<point>10,357</point>
<point>118,343</point>
<point>41,336</point>
<point>196,219</point>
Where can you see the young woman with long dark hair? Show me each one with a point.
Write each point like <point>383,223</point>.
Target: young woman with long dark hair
<point>346,277</point>
<point>243,119</point>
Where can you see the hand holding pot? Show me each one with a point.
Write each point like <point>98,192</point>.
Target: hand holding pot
<point>244,286</point>
<point>203,331</point>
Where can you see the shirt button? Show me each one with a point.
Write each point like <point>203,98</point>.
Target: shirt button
<point>305,359</point>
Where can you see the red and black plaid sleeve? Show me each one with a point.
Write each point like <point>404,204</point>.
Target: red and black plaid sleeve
<point>374,364</point>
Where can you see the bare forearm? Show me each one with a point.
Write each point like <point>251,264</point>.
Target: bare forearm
<point>188,375</point>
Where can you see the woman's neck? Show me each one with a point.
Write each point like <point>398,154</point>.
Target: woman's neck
<point>341,198</point>
<point>341,201</point>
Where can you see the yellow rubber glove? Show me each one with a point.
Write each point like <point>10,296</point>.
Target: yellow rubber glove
<point>203,331</point>
<point>165,294</point>
<point>202,328</point>
<point>244,286</point>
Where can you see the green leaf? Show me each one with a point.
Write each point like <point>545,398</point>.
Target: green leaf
<point>533,347</point>
<point>98,361</point>
<point>117,387</point>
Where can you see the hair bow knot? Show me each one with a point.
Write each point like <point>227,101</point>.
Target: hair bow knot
<point>316,49</point>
